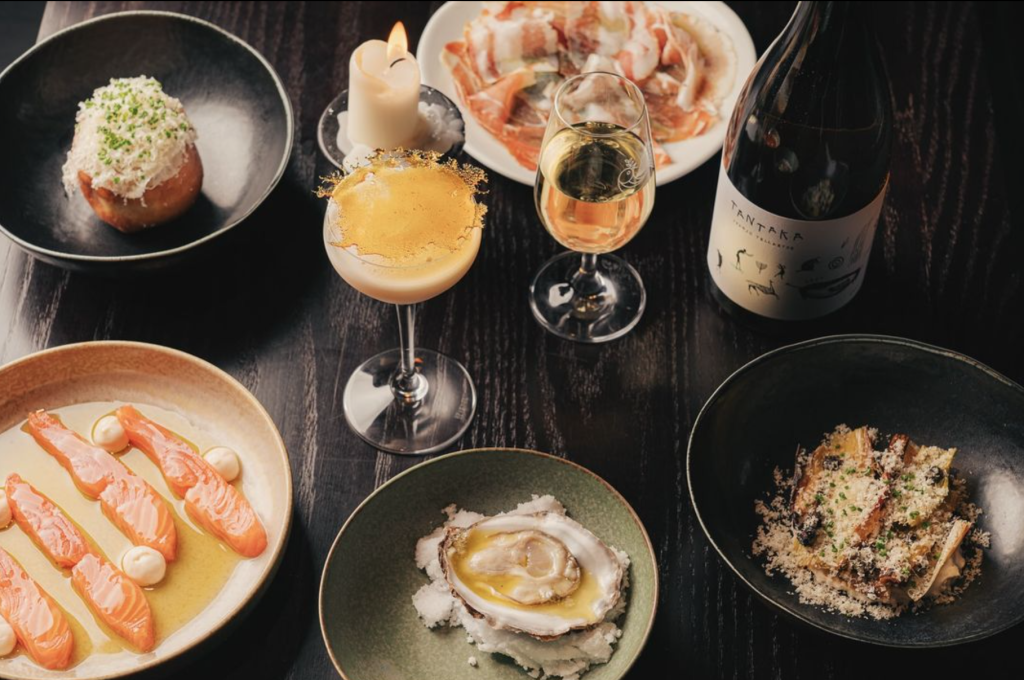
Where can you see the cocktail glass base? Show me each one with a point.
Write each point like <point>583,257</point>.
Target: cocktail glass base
<point>610,308</point>
<point>432,424</point>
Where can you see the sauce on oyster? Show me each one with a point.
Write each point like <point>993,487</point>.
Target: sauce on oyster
<point>531,584</point>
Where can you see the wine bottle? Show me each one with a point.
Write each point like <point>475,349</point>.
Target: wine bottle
<point>805,168</point>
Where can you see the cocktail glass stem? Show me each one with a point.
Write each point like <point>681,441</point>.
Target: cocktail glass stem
<point>590,299</point>
<point>408,386</point>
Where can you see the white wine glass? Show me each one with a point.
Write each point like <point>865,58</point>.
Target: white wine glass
<point>406,400</point>
<point>594,191</point>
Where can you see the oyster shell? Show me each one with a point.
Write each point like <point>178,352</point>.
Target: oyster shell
<point>542,574</point>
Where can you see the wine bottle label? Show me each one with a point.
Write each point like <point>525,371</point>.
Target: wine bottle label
<point>785,268</point>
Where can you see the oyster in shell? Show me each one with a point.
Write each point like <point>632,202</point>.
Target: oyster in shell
<point>542,574</point>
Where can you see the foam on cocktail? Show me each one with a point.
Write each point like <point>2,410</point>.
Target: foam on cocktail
<point>406,226</point>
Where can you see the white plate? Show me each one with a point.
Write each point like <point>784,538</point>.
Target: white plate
<point>447,24</point>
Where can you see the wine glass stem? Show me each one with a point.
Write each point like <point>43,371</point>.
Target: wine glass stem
<point>408,386</point>
<point>590,299</point>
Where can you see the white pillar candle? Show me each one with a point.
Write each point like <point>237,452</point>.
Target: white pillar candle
<point>383,92</point>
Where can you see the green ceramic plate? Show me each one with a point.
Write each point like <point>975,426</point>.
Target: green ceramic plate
<point>370,627</point>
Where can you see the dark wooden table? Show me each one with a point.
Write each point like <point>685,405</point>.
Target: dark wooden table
<point>945,269</point>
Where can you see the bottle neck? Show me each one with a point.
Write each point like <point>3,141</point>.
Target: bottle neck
<point>824,17</point>
<point>823,32</point>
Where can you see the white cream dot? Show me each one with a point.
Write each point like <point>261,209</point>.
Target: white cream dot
<point>5,510</point>
<point>8,640</point>
<point>144,565</point>
<point>225,461</point>
<point>108,434</point>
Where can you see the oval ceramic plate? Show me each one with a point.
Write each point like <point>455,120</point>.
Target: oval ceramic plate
<point>230,92</point>
<point>447,24</point>
<point>369,624</point>
<point>213,403</point>
<point>791,396</point>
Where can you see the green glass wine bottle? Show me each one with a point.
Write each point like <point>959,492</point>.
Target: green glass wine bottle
<point>805,169</point>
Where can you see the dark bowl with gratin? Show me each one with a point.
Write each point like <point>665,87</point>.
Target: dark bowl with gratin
<point>231,94</point>
<point>757,417</point>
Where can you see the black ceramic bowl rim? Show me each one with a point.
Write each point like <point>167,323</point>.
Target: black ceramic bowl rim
<point>104,259</point>
<point>796,347</point>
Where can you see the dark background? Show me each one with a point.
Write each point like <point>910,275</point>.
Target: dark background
<point>945,268</point>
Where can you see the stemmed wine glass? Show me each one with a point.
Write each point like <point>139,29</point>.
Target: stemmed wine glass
<point>402,229</point>
<point>594,191</point>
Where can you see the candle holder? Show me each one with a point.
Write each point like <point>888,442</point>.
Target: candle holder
<point>333,138</point>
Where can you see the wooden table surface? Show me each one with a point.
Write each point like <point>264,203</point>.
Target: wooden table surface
<point>272,312</point>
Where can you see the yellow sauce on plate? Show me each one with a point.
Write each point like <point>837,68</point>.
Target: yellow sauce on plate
<point>203,564</point>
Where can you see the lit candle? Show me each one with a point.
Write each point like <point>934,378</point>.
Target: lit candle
<point>383,92</point>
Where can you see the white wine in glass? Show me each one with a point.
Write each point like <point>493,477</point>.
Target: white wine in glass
<point>594,191</point>
<point>592,196</point>
<point>402,229</point>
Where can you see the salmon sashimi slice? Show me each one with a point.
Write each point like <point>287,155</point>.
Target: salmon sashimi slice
<point>219,508</point>
<point>211,501</point>
<point>45,523</point>
<point>141,514</point>
<point>91,467</point>
<point>38,623</point>
<point>180,465</point>
<point>127,500</point>
<point>116,599</point>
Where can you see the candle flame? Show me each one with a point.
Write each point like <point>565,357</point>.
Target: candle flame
<point>398,43</point>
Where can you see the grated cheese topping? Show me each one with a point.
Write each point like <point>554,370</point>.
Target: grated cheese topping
<point>130,136</point>
<point>918,542</point>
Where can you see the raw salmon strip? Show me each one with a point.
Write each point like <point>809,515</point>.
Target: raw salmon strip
<point>91,467</point>
<point>220,509</point>
<point>126,499</point>
<point>212,502</point>
<point>45,523</point>
<point>38,622</point>
<point>117,600</point>
<point>141,514</point>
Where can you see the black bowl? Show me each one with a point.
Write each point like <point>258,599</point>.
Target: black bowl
<point>755,419</point>
<point>231,94</point>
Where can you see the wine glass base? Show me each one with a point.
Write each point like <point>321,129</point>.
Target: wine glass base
<point>558,309</point>
<point>434,423</point>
